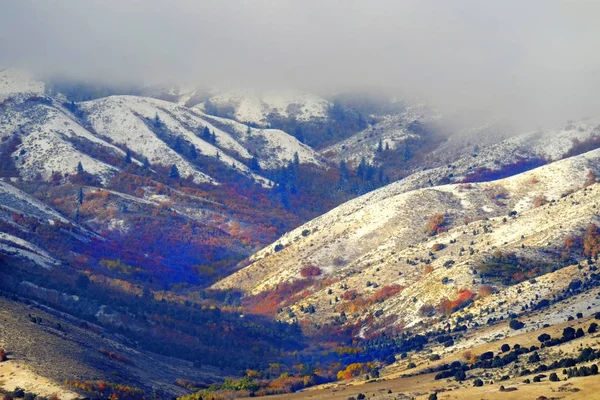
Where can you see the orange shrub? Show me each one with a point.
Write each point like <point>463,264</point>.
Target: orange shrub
<point>2,355</point>
<point>385,293</point>
<point>447,306</point>
<point>428,269</point>
<point>438,247</point>
<point>435,224</point>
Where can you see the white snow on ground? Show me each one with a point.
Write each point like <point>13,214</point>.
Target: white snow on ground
<point>13,81</point>
<point>256,109</point>
<point>15,246</point>
<point>122,119</point>
<point>22,200</point>
<point>274,147</point>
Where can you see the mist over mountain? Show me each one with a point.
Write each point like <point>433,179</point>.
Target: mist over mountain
<point>531,64</point>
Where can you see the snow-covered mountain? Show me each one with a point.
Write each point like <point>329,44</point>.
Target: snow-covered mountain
<point>14,81</point>
<point>52,132</point>
<point>260,109</point>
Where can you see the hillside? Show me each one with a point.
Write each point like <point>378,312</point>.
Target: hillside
<point>385,239</point>
<point>259,110</point>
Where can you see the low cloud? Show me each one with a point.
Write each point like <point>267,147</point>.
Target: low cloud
<point>529,63</point>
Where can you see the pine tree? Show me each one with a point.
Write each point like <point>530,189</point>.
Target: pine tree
<point>128,157</point>
<point>387,146</point>
<point>206,134</point>
<point>296,159</point>
<point>80,169</point>
<point>380,146</point>
<point>249,131</point>
<point>344,174</point>
<point>157,121</point>
<point>80,196</point>
<point>362,168</point>
<point>213,137</point>
<point>254,164</point>
<point>174,173</point>
<point>299,134</point>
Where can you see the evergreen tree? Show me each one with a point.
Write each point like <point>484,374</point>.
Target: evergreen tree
<point>296,159</point>
<point>299,134</point>
<point>213,137</point>
<point>387,146</point>
<point>178,146</point>
<point>157,121</point>
<point>362,168</point>
<point>174,173</point>
<point>128,157</point>
<point>249,131</point>
<point>380,146</point>
<point>254,164</point>
<point>146,162</point>
<point>80,169</point>
<point>206,134</point>
<point>80,196</point>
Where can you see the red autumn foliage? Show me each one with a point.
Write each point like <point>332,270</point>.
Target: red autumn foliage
<point>267,302</point>
<point>447,306</point>
<point>310,270</point>
<point>385,293</point>
<point>349,295</point>
<point>436,224</point>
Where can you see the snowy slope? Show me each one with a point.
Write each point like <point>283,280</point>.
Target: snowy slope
<point>122,119</point>
<point>46,131</point>
<point>251,108</point>
<point>372,237</point>
<point>13,81</point>
<point>274,147</point>
<point>15,200</point>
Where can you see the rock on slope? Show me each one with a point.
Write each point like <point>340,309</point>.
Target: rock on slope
<point>381,238</point>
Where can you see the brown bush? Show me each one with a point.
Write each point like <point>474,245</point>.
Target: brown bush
<point>590,178</point>
<point>540,201</point>
<point>438,247</point>
<point>436,224</point>
<point>2,355</point>
<point>484,291</point>
<point>310,270</point>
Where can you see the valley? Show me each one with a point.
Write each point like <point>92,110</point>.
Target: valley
<point>187,244</point>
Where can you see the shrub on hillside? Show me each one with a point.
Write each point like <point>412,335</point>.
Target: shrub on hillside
<point>310,270</point>
<point>516,324</point>
<point>436,223</point>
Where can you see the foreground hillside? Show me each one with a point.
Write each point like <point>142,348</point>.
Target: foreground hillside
<point>435,281</point>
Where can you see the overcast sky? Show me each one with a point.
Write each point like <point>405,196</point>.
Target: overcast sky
<point>523,60</point>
